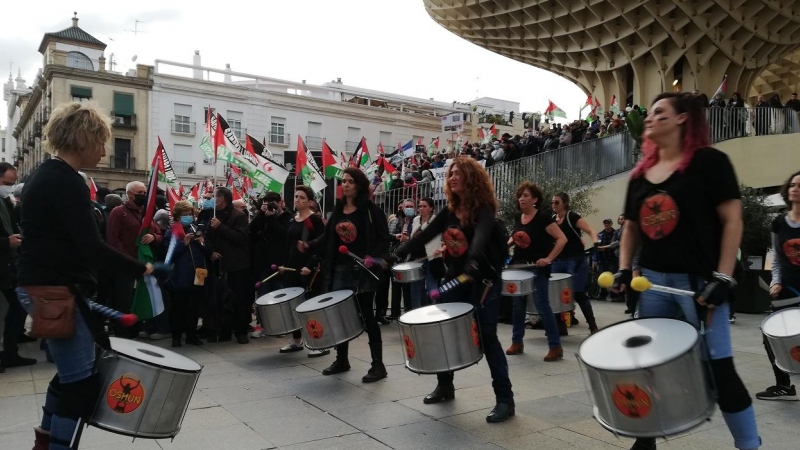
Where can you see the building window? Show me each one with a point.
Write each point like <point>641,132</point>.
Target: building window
<point>182,123</point>
<point>123,104</point>
<point>122,159</point>
<point>80,93</point>
<point>277,131</point>
<point>3,144</point>
<point>235,119</point>
<point>205,114</point>
<point>183,164</point>
<point>78,60</point>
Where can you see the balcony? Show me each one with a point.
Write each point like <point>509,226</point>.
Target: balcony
<point>123,121</point>
<point>280,139</point>
<point>313,142</point>
<point>122,162</point>
<point>731,123</point>
<point>183,128</point>
<point>184,167</point>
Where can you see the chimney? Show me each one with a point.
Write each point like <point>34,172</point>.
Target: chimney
<point>198,74</point>
<point>75,20</point>
<point>304,81</point>
<point>339,80</point>
<point>101,61</point>
<point>227,73</point>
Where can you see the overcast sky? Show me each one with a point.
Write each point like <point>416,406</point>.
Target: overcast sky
<point>386,45</point>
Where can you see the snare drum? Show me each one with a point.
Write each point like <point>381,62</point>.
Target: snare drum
<point>330,319</point>
<point>146,390</point>
<point>517,283</point>
<point>408,272</point>
<point>440,338</point>
<point>559,294</point>
<point>277,310</point>
<point>782,330</point>
<point>648,377</point>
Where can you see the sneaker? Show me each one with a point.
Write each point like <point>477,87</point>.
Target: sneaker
<point>732,319</point>
<point>318,353</point>
<point>257,333</point>
<point>778,393</point>
<point>144,335</point>
<point>291,347</point>
<point>158,336</point>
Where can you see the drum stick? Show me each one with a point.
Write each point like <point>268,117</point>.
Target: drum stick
<point>642,284</point>
<point>366,263</point>
<point>314,278</point>
<point>607,279</point>
<point>258,285</point>
<point>282,268</point>
<point>125,320</point>
<point>449,286</point>
<point>520,266</point>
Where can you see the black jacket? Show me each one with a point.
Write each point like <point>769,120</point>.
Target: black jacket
<point>8,255</point>
<point>269,243</point>
<point>231,240</point>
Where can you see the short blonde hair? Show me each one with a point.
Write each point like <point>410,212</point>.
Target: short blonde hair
<point>182,207</point>
<point>75,127</point>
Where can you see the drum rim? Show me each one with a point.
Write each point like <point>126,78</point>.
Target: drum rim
<point>761,327</point>
<point>668,361</point>
<point>152,364</point>
<point>282,301</point>
<point>709,413</point>
<point>137,435</point>
<point>352,295</point>
<point>430,372</point>
<point>568,276</point>
<point>413,266</point>
<point>528,272</point>
<point>472,310</point>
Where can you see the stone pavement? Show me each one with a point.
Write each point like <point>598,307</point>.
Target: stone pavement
<point>249,397</point>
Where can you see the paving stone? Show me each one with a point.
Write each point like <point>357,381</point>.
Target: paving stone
<point>378,416</point>
<point>312,426</point>
<point>239,437</point>
<point>18,413</point>
<point>427,435</point>
<point>358,441</point>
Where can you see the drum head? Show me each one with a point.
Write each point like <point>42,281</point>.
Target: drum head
<point>407,266</point>
<point>517,275</point>
<point>280,296</point>
<point>154,356</point>
<point>559,276</point>
<point>783,323</point>
<point>638,343</point>
<point>436,313</point>
<point>325,300</point>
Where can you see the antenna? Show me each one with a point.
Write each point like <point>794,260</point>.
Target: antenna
<point>135,29</point>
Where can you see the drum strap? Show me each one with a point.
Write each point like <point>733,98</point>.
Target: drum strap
<point>95,326</point>
<point>487,287</point>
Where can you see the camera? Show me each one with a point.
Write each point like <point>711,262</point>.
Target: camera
<point>272,206</point>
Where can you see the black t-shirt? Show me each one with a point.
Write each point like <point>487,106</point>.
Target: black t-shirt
<point>305,231</point>
<point>350,230</point>
<point>531,240</point>
<point>679,226</point>
<point>787,251</point>
<point>569,226</point>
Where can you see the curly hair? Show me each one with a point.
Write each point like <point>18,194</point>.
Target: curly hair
<point>478,190</point>
<point>74,128</point>
<point>182,207</point>
<point>535,191</point>
<point>362,188</point>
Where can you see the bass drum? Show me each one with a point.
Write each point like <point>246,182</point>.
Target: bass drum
<point>146,390</point>
<point>649,377</point>
<point>276,310</point>
<point>440,338</point>
<point>782,330</point>
<point>330,319</point>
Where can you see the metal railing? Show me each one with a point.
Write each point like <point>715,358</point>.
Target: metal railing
<point>351,146</point>
<point>313,142</point>
<point>184,128</point>
<point>731,123</point>
<point>280,139</point>
<point>122,162</point>
<point>184,167</point>
<point>123,121</point>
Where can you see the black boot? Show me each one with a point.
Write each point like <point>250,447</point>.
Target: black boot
<point>500,413</point>
<point>441,393</point>
<point>644,444</point>
<point>340,364</point>
<point>378,370</point>
<point>176,342</point>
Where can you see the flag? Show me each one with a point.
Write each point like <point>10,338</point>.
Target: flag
<point>195,192</point>
<point>307,168</point>
<point>92,190</point>
<point>166,173</point>
<point>333,168</point>
<point>493,131</point>
<point>408,149</point>
<point>361,157</point>
<point>553,110</point>
<point>235,194</point>
<point>229,181</point>
<point>247,186</point>
<point>219,139</point>
<point>482,135</point>
<point>589,101</point>
<point>147,299</point>
<point>266,159</point>
<point>380,149</point>
<point>433,146</point>
<point>388,170</point>
<point>172,196</point>
<point>598,108</point>
<point>268,174</point>
<point>614,108</point>
<point>722,87</point>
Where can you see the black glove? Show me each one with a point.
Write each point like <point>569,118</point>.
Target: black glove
<point>717,290</point>
<point>623,277</point>
<point>161,270</point>
<point>472,270</point>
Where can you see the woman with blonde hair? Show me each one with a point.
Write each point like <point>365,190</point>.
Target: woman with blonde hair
<point>62,252</point>
<point>475,244</point>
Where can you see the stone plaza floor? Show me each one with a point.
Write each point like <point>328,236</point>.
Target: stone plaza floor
<point>250,397</point>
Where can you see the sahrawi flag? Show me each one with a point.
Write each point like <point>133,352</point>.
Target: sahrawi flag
<point>333,168</point>
<point>614,108</point>
<point>722,87</point>
<point>307,168</point>
<point>553,110</point>
<point>259,153</point>
<point>147,299</point>
<point>166,174</point>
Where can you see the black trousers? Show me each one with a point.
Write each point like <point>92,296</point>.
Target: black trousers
<point>364,300</point>
<point>382,294</point>
<point>122,300</point>
<point>184,311</point>
<point>398,290</point>
<point>14,323</point>
<point>241,284</point>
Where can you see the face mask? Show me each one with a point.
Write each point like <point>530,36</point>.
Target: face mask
<point>6,191</point>
<point>496,146</point>
<point>409,212</point>
<point>140,199</point>
<point>187,220</point>
<point>208,204</point>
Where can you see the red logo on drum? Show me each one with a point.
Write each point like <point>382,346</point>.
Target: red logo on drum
<point>125,394</point>
<point>632,401</point>
<point>410,351</point>
<point>398,276</point>
<point>476,336</point>
<point>658,216</point>
<point>795,353</point>
<point>314,329</point>
<point>511,288</point>
<point>566,296</point>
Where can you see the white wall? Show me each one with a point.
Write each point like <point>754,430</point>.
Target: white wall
<point>90,53</point>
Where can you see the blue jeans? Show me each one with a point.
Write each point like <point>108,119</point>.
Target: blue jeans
<point>487,322</point>
<point>542,302</point>
<point>579,269</point>
<point>74,357</point>
<point>742,424</point>
<point>419,289</point>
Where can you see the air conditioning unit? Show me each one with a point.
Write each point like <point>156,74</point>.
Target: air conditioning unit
<point>119,120</point>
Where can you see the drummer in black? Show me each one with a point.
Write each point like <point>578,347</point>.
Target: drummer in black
<point>683,207</point>
<point>361,226</point>
<point>785,285</point>
<point>475,244</point>
<point>304,226</point>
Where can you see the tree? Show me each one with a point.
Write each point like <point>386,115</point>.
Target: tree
<point>757,221</point>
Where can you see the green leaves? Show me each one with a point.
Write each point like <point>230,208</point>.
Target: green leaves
<point>757,221</point>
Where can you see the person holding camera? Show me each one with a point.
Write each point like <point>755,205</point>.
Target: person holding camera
<point>268,236</point>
